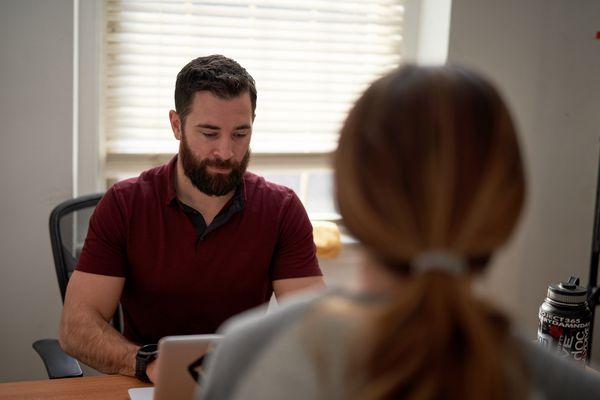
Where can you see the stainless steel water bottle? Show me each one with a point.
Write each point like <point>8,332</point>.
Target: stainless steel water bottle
<point>565,317</point>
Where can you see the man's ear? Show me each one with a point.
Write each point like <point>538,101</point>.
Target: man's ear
<point>175,124</point>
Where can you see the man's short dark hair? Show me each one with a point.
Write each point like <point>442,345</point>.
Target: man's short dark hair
<point>217,74</point>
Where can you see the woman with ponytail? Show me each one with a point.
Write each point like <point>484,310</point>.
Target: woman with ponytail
<point>429,178</point>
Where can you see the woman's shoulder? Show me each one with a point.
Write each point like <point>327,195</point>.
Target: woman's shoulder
<point>326,308</point>
<point>259,321</point>
<point>553,377</point>
<point>285,338</point>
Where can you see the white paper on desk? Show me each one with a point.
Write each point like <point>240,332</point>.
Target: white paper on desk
<point>146,393</point>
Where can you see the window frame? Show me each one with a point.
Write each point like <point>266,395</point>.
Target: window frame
<point>95,168</point>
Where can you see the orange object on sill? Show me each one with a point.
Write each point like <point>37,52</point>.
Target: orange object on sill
<point>327,239</point>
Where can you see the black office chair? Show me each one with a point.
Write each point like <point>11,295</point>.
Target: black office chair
<point>68,229</point>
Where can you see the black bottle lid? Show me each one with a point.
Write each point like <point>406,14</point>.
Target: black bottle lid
<point>568,292</point>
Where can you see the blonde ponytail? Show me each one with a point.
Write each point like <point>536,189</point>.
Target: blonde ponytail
<point>434,340</point>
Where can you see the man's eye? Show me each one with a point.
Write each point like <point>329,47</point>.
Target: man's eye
<point>240,134</point>
<point>209,134</point>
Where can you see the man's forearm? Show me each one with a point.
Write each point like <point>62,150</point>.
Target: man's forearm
<point>89,338</point>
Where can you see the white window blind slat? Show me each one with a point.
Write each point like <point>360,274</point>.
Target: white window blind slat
<point>274,42</point>
<point>295,10</point>
<point>246,17</point>
<point>258,56</point>
<point>147,23</point>
<point>310,60</point>
<point>293,71</point>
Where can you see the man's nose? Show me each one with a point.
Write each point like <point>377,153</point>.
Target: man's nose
<point>224,149</point>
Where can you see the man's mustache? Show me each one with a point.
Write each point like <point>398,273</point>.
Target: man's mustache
<point>220,163</point>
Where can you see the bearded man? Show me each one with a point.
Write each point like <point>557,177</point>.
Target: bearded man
<point>187,245</point>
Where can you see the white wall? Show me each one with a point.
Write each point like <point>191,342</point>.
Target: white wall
<point>36,57</point>
<point>544,55</point>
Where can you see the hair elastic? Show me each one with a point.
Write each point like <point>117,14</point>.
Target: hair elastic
<point>440,260</point>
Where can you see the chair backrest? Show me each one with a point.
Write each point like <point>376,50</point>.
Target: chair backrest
<point>68,229</point>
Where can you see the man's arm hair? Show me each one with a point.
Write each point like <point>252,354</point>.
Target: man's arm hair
<point>85,332</point>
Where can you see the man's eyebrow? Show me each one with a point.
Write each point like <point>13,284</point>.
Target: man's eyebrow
<point>240,127</point>
<point>208,126</point>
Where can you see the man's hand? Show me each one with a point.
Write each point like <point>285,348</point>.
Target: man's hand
<point>152,371</point>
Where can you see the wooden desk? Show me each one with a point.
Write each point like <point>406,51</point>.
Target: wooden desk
<point>109,387</point>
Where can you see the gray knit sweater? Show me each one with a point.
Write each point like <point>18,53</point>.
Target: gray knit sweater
<point>271,357</point>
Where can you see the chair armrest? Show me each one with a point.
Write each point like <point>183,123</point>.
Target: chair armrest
<point>58,363</point>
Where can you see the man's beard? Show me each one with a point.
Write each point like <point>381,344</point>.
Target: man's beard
<point>212,184</point>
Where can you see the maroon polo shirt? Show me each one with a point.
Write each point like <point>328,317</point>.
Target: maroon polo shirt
<point>179,280</point>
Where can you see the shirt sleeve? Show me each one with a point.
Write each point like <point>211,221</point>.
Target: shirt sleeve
<point>104,251</point>
<point>278,356</point>
<point>245,337</point>
<point>295,253</point>
<point>284,370</point>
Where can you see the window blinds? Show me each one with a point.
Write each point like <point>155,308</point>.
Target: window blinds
<point>310,60</point>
